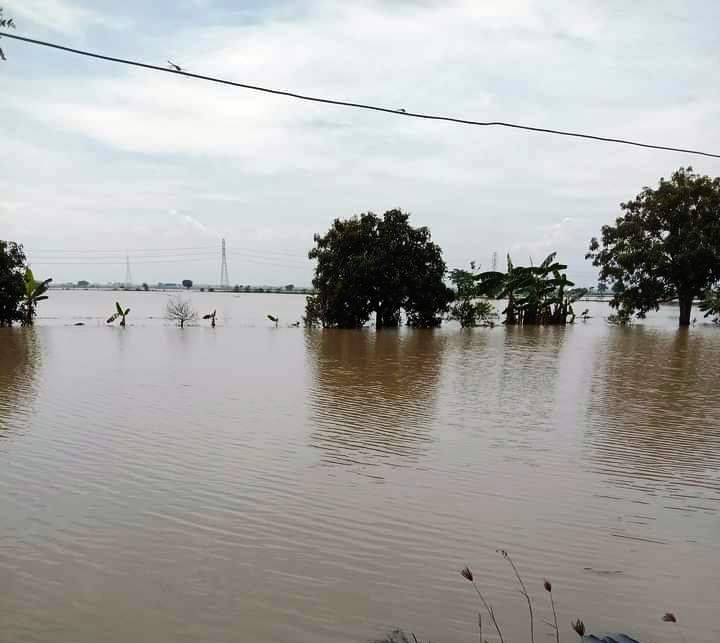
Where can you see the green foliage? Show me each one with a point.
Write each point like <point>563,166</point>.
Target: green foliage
<point>12,282</point>
<point>467,308</point>
<point>5,23</point>
<point>666,246</point>
<point>622,317</point>
<point>119,313</point>
<point>377,265</point>
<point>20,292</point>
<point>710,304</point>
<point>311,318</point>
<point>34,291</point>
<point>535,294</point>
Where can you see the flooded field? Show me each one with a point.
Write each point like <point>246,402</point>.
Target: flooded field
<point>253,483</point>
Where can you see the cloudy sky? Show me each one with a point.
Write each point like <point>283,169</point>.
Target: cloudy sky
<point>99,158</point>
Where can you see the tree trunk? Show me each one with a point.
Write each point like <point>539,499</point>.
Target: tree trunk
<point>386,317</point>
<point>685,309</point>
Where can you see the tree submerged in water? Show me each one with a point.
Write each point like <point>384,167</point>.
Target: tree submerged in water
<point>12,282</point>
<point>535,294</point>
<point>369,265</point>
<point>20,292</point>
<point>665,247</point>
<point>468,308</point>
<point>180,311</point>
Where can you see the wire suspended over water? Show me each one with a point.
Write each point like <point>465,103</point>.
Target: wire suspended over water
<point>341,103</point>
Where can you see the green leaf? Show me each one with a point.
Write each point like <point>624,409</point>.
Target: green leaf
<point>118,308</point>
<point>126,313</point>
<point>112,318</point>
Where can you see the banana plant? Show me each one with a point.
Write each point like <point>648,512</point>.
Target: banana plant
<point>118,314</point>
<point>34,292</point>
<point>211,317</point>
<point>535,294</point>
<point>274,319</point>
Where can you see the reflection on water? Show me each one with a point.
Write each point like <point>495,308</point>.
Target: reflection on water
<point>654,416</point>
<point>19,361</point>
<point>373,394</point>
<point>530,365</point>
<point>166,485</point>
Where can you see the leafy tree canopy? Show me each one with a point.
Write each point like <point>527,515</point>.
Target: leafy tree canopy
<point>468,308</point>
<point>666,246</point>
<point>12,282</point>
<point>711,305</point>
<point>377,265</point>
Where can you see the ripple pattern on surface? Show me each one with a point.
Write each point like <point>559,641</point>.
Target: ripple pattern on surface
<point>291,486</point>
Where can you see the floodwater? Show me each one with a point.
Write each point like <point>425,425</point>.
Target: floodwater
<point>253,483</point>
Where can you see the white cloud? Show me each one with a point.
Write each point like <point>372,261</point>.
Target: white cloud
<point>109,151</point>
<point>61,16</point>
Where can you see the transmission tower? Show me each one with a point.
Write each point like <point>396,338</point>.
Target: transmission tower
<point>128,276</point>
<point>224,279</point>
<point>494,261</point>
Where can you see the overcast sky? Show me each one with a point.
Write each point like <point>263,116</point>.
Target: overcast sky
<point>97,158</point>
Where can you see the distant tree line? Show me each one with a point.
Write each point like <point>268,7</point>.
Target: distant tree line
<point>665,247</point>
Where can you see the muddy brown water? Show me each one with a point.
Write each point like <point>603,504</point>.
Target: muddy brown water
<point>249,483</point>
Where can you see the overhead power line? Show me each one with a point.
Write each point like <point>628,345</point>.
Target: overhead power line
<point>341,103</point>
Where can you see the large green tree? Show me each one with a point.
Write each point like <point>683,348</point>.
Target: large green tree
<point>665,247</point>
<point>377,265</point>
<point>12,282</point>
